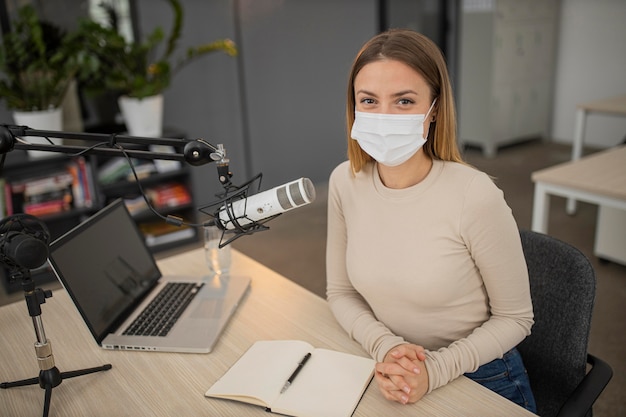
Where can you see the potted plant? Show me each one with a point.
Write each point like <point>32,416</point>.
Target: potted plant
<point>136,70</point>
<point>38,65</point>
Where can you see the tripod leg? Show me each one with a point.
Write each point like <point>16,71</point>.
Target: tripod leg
<point>72,374</point>
<point>46,400</point>
<point>21,383</point>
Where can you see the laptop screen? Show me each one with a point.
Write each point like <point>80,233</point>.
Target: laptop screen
<point>105,266</point>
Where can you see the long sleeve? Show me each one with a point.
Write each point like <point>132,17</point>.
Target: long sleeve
<point>439,265</point>
<point>348,306</point>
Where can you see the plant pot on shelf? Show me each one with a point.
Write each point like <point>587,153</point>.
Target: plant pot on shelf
<point>143,117</point>
<point>72,117</point>
<point>40,120</point>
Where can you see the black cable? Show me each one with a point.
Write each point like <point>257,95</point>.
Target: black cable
<point>175,220</point>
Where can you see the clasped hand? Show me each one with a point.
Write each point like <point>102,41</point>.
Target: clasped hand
<point>402,375</point>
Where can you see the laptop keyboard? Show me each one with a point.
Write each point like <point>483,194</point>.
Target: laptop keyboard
<point>158,318</point>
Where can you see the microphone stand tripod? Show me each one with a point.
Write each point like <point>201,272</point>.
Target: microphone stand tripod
<point>49,375</point>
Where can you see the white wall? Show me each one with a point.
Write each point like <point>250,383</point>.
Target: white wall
<point>591,65</point>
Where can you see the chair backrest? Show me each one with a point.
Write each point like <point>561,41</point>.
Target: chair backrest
<point>562,285</point>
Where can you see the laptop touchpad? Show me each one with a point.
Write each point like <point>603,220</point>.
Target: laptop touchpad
<point>211,308</point>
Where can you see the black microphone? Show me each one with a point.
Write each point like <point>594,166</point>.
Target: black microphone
<point>23,241</point>
<point>246,212</point>
<point>25,250</point>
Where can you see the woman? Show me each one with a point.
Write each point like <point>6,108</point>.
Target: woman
<point>424,262</point>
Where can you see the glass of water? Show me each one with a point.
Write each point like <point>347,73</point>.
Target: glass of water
<point>218,260</point>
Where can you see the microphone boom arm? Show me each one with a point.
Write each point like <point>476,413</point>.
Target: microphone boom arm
<point>194,152</point>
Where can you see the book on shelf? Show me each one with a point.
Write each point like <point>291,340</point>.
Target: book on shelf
<point>164,196</point>
<point>141,170</point>
<point>82,184</point>
<point>68,187</point>
<point>330,383</point>
<point>118,169</point>
<point>86,184</point>
<point>48,207</point>
<point>113,169</point>
<point>34,186</point>
<point>3,204</point>
<point>136,205</point>
<point>8,198</point>
<point>77,185</point>
<point>171,194</point>
<point>159,232</point>
<point>47,201</point>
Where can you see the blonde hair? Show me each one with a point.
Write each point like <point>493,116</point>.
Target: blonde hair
<point>420,53</point>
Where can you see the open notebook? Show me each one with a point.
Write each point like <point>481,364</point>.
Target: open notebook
<point>321,382</point>
<point>112,277</point>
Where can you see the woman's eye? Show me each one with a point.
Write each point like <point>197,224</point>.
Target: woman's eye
<point>367,101</point>
<point>405,101</point>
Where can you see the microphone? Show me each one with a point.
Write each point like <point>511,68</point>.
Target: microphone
<point>23,241</point>
<point>265,205</point>
<point>26,251</point>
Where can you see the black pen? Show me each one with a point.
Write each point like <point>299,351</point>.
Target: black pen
<point>295,373</point>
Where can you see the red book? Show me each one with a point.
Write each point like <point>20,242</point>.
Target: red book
<point>46,207</point>
<point>8,199</point>
<point>85,182</point>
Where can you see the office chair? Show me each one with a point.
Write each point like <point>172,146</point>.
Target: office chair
<point>562,286</point>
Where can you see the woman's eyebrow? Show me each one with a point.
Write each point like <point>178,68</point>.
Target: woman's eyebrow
<point>367,93</point>
<point>401,93</point>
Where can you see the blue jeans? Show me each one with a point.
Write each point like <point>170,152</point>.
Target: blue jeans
<point>507,377</point>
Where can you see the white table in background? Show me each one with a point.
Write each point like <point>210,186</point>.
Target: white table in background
<point>610,106</point>
<point>599,178</point>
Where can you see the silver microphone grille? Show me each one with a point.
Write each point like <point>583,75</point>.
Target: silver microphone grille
<point>296,193</point>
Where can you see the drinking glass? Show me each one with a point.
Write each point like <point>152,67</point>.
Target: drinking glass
<point>218,259</point>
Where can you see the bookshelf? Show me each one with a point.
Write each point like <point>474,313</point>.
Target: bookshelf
<point>63,191</point>
<point>167,184</point>
<point>58,189</point>
<point>169,192</point>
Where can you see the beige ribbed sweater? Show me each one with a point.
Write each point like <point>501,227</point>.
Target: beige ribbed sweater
<point>438,264</point>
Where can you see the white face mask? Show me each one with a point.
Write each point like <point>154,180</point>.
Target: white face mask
<point>391,139</point>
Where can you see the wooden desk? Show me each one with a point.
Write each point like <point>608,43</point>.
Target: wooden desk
<point>611,106</point>
<point>599,178</point>
<point>172,384</point>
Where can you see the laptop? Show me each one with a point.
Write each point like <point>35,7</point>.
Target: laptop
<point>112,277</point>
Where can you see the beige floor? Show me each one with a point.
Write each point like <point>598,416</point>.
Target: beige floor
<point>295,244</point>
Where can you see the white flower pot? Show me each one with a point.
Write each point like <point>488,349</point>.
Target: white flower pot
<point>143,117</point>
<point>40,120</point>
